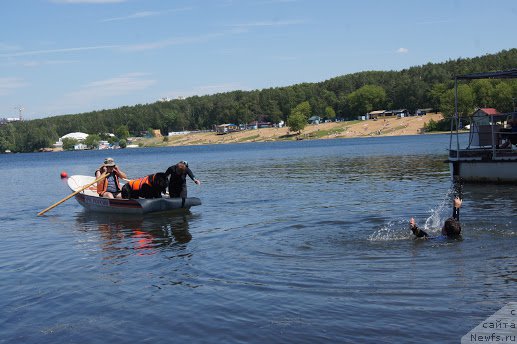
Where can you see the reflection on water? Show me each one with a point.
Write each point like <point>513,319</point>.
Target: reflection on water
<point>125,235</point>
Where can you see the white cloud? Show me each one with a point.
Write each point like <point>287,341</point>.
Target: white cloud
<point>128,47</point>
<point>136,15</point>
<point>115,86</point>
<point>59,50</point>
<point>9,84</point>
<point>434,22</point>
<point>8,47</point>
<point>284,58</point>
<point>169,42</point>
<point>94,93</point>
<point>145,14</point>
<point>34,63</point>
<point>267,23</point>
<point>402,50</point>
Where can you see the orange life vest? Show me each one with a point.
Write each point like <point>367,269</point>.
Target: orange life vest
<point>136,184</point>
<point>102,186</point>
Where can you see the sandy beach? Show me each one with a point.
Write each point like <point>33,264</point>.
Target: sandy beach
<point>388,126</point>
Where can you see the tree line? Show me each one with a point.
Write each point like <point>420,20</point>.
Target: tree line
<point>346,97</point>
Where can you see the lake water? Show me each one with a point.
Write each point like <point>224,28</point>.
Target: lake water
<point>295,242</point>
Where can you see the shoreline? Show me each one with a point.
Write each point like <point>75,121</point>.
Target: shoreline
<point>333,130</point>
<point>389,126</point>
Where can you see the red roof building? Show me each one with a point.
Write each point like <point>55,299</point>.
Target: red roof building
<point>487,112</point>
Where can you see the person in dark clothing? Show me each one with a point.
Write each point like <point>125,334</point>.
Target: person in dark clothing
<point>451,227</point>
<point>419,233</point>
<point>178,179</point>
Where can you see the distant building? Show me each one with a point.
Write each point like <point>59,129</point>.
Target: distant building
<point>226,128</point>
<point>400,113</point>
<point>80,146</point>
<point>421,112</point>
<point>175,133</point>
<point>315,120</point>
<point>483,127</point>
<point>76,135</point>
<point>387,113</point>
<point>103,144</point>
<point>168,99</point>
<point>9,120</point>
<point>261,124</point>
<point>485,112</point>
<point>80,137</point>
<point>265,125</point>
<point>374,114</point>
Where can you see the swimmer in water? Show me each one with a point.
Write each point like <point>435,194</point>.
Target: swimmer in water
<point>451,227</point>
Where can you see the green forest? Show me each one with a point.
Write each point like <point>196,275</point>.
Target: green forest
<point>346,97</point>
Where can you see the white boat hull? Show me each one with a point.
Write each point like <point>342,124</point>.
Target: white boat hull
<point>92,202</point>
<point>504,171</point>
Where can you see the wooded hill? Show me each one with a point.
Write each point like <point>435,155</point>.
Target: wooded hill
<point>427,86</point>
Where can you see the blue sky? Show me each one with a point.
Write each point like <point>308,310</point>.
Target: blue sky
<point>72,56</point>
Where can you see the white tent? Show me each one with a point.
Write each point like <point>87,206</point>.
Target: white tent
<point>77,135</point>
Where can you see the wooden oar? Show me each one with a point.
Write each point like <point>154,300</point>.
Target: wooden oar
<point>74,193</point>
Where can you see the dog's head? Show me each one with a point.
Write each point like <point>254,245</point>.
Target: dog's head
<point>159,181</point>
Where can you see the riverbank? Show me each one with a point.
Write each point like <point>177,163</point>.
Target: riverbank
<point>389,126</point>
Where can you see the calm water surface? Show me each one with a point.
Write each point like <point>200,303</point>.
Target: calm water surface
<point>301,242</point>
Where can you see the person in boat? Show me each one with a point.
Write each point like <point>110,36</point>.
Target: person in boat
<point>451,228</point>
<point>109,187</point>
<point>177,177</point>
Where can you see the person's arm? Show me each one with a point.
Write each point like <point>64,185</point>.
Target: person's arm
<point>416,231</point>
<point>456,209</point>
<point>100,172</point>
<point>191,175</point>
<point>119,172</point>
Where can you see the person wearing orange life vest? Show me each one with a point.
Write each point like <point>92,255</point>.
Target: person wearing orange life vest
<point>109,187</point>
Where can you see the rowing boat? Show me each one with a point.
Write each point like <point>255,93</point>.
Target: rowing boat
<point>90,200</point>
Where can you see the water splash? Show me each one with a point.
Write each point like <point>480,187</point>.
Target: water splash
<point>439,214</point>
<point>394,230</point>
<point>399,229</point>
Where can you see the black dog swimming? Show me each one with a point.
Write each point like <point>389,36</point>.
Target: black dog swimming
<point>151,186</point>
